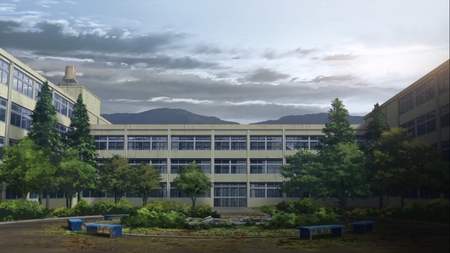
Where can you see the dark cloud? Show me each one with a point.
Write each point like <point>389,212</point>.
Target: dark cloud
<point>335,78</point>
<point>339,57</point>
<point>272,54</point>
<point>265,75</point>
<point>205,49</point>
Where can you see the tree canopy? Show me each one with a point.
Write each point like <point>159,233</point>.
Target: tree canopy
<point>146,181</point>
<point>192,181</point>
<point>115,177</point>
<point>338,129</point>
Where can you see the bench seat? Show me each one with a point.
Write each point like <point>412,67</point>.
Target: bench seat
<point>360,227</point>
<point>114,230</point>
<point>75,224</point>
<point>308,231</point>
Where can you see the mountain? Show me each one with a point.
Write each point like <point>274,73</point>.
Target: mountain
<point>163,116</point>
<point>318,118</point>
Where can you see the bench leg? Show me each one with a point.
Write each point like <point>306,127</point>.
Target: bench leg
<point>337,232</point>
<point>369,227</point>
<point>115,232</point>
<point>359,229</point>
<point>305,233</point>
<point>91,230</point>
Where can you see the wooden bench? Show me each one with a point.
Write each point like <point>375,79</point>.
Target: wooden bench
<point>74,224</point>
<point>114,230</point>
<point>360,227</point>
<point>308,231</point>
<point>112,216</point>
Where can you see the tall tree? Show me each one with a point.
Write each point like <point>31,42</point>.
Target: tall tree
<point>341,173</point>
<point>115,177</point>
<point>404,162</point>
<point>374,129</point>
<point>79,135</point>
<point>146,180</point>
<point>44,122</point>
<point>338,129</point>
<point>300,175</point>
<point>74,175</point>
<point>25,166</point>
<point>192,181</point>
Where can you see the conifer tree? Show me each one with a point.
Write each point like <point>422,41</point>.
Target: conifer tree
<point>79,136</point>
<point>338,129</point>
<point>44,123</point>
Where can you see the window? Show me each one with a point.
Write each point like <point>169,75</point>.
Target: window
<point>445,115</point>
<point>3,104</point>
<point>60,104</point>
<point>297,193</point>
<point>225,166</point>
<point>410,126</point>
<point>191,143</point>
<point>93,194</point>
<point>161,192</point>
<point>302,142</point>
<point>443,81</point>
<point>38,88</point>
<point>12,142</point>
<point>147,142</point>
<point>108,142</point>
<point>230,195</point>
<point>159,165</point>
<point>176,164</point>
<point>230,143</point>
<point>406,102</point>
<point>266,143</point>
<point>62,130</point>
<point>412,193</point>
<point>4,72</point>
<point>262,166</point>
<point>20,116</point>
<point>265,190</point>
<point>425,92</point>
<point>71,105</point>
<point>175,193</point>
<point>445,146</point>
<point>426,123</point>
<point>2,142</point>
<point>23,83</point>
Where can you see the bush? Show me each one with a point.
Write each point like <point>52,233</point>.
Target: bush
<point>414,210</point>
<point>63,212</point>
<point>103,207</point>
<point>305,206</point>
<point>202,211</point>
<point>83,208</point>
<point>167,206</point>
<point>437,210</point>
<point>322,217</point>
<point>172,219</point>
<point>146,218</point>
<point>282,220</point>
<point>286,206</point>
<point>123,206</point>
<point>21,209</point>
<point>268,209</point>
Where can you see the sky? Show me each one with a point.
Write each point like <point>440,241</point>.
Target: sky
<point>239,60</point>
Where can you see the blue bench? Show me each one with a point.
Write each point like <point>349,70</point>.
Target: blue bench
<point>308,231</point>
<point>360,227</point>
<point>111,216</point>
<point>114,230</point>
<point>74,224</point>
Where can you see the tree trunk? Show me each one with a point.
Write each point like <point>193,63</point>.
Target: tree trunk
<point>193,198</point>
<point>40,197</point>
<point>79,196</point>
<point>24,195</point>
<point>144,200</point>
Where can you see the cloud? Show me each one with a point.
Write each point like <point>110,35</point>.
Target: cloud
<point>265,75</point>
<point>272,54</point>
<point>339,57</point>
<point>334,79</point>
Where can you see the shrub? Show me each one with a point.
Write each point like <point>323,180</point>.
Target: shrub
<point>167,206</point>
<point>62,212</point>
<point>305,206</point>
<point>123,206</point>
<point>172,219</point>
<point>103,207</point>
<point>142,218</point>
<point>21,209</point>
<point>322,217</point>
<point>282,220</point>
<point>268,209</point>
<point>414,210</point>
<point>287,206</point>
<point>83,208</point>
<point>437,210</point>
<point>202,211</point>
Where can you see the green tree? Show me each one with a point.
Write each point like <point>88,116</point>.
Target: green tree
<point>25,166</point>
<point>192,181</point>
<point>404,162</point>
<point>74,175</point>
<point>44,122</point>
<point>300,175</point>
<point>79,135</point>
<point>374,129</point>
<point>341,173</point>
<point>115,177</point>
<point>338,129</point>
<point>146,181</point>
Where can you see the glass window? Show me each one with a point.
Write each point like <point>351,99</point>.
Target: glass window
<point>3,104</point>
<point>176,164</point>
<point>60,104</point>
<point>406,102</point>
<point>228,166</point>
<point>147,142</point>
<point>445,115</point>
<point>443,81</point>
<point>265,190</point>
<point>108,142</point>
<point>4,72</point>
<point>191,143</point>
<point>159,165</point>
<point>20,116</point>
<point>22,83</point>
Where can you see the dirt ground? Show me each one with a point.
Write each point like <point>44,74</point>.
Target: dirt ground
<point>388,236</point>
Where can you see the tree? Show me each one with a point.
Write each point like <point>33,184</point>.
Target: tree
<point>25,166</point>
<point>146,181</point>
<point>341,173</point>
<point>300,173</point>
<point>192,181</point>
<point>338,129</point>
<point>115,176</point>
<point>79,135</point>
<point>44,122</point>
<point>74,175</point>
<point>404,162</point>
<point>374,129</point>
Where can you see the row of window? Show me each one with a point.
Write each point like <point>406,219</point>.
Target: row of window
<point>427,122</point>
<point>4,72</point>
<point>443,78</point>
<point>204,142</point>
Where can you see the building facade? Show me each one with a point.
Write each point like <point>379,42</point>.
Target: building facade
<point>243,161</point>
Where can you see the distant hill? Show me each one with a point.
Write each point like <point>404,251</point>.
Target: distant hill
<point>318,118</point>
<point>163,116</point>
